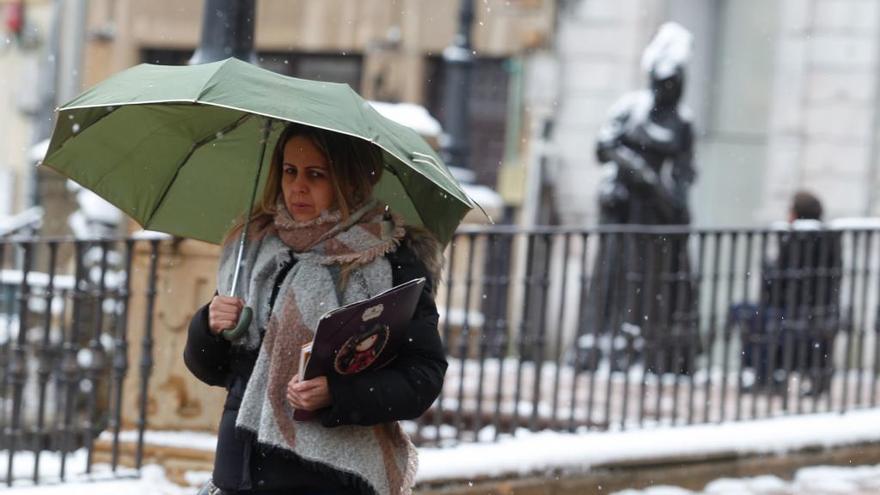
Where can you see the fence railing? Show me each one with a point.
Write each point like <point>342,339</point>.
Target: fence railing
<point>578,330</point>
<point>568,330</point>
<point>64,350</point>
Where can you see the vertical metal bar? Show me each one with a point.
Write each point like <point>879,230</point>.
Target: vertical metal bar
<point>680,320</point>
<point>501,328</point>
<point>600,297</point>
<point>70,367</point>
<point>7,305</point>
<point>147,352</point>
<point>695,320</point>
<point>450,273</point>
<point>805,316</point>
<point>649,334</point>
<point>62,379</point>
<point>617,316</point>
<point>5,308</point>
<point>541,333</point>
<point>44,369</point>
<point>120,353</point>
<point>464,336</point>
<point>850,323</point>
<point>581,325</point>
<point>18,361</point>
<point>489,327</point>
<point>633,286</point>
<point>633,283</point>
<point>745,297</point>
<point>560,325</point>
<point>828,314</point>
<point>835,287</point>
<point>876,359</point>
<point>713,324</point>
<point>753,341</point>
<point>772,325</point>
<point>675,329</point>
<point>664,316</point>
<point>789,321</point>
<point>725,356</point>
<point>860,329</point>
<point>522,337</point>
<point>96,360</point>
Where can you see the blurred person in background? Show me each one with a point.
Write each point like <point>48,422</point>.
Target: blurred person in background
<point>794,326</point>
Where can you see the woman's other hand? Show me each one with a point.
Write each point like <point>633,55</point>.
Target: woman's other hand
<point>309,395</point>
<point>223,313</point>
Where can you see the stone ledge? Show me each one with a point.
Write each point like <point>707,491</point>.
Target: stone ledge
<point>176,461</point>
<point>689,472</point>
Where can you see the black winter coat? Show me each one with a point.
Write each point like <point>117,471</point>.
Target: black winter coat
<point>407,386</point>
<point>804,280</point>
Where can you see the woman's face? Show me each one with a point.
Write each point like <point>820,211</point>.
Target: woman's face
<point>305,180</point>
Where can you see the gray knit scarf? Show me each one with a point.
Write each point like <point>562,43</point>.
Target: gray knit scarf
<point>383,456</point>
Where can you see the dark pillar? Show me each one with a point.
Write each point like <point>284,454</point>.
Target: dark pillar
<point>227,31</point>
<point>459,60</point>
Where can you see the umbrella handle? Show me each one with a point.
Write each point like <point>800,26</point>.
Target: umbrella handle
<point>244,321</point>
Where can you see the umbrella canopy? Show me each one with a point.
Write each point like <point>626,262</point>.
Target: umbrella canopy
<point>177,147</point>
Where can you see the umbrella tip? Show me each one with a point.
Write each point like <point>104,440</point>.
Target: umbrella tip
<point>488,216</point>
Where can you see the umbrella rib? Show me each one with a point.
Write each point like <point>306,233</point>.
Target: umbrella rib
<point>192,149</point>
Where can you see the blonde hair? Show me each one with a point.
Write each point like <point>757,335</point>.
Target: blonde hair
<point>354,168</point>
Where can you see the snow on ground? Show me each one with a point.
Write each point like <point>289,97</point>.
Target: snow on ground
<point>541,452</point>
<point>549,451</point>
<point>101,482</point>
<point>820,480</point>
<point>151,482</point>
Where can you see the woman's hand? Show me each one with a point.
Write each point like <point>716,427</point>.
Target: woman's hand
<point>223,313</point>
<point>309,395</point>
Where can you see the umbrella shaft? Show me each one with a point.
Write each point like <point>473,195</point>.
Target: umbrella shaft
<point>247,219</point>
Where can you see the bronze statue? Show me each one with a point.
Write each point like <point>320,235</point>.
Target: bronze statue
<point>646,147</point>
<point>642,281</point>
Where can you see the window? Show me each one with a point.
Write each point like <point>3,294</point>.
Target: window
<point>488,111</point>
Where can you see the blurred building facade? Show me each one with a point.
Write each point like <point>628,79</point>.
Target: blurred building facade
<point>22,41</point>
<point>387,50</point>
<point>784,95</point>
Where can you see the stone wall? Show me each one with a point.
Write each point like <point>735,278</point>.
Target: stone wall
<point>185,281</point>
<point>824,120</point>
<point>598,45</point>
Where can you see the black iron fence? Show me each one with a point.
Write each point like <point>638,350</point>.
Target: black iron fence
<point>64,351</point>
<point>579,330</point>
<point>569,330</point>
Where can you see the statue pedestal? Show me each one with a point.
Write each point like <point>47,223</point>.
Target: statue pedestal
<point>185,280</point>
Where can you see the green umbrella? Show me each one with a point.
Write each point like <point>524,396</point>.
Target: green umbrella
<point>182,149</point>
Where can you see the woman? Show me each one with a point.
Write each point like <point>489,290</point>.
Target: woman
<point>317,241</point>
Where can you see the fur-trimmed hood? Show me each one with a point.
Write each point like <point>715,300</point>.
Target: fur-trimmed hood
<point>428,249</point>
